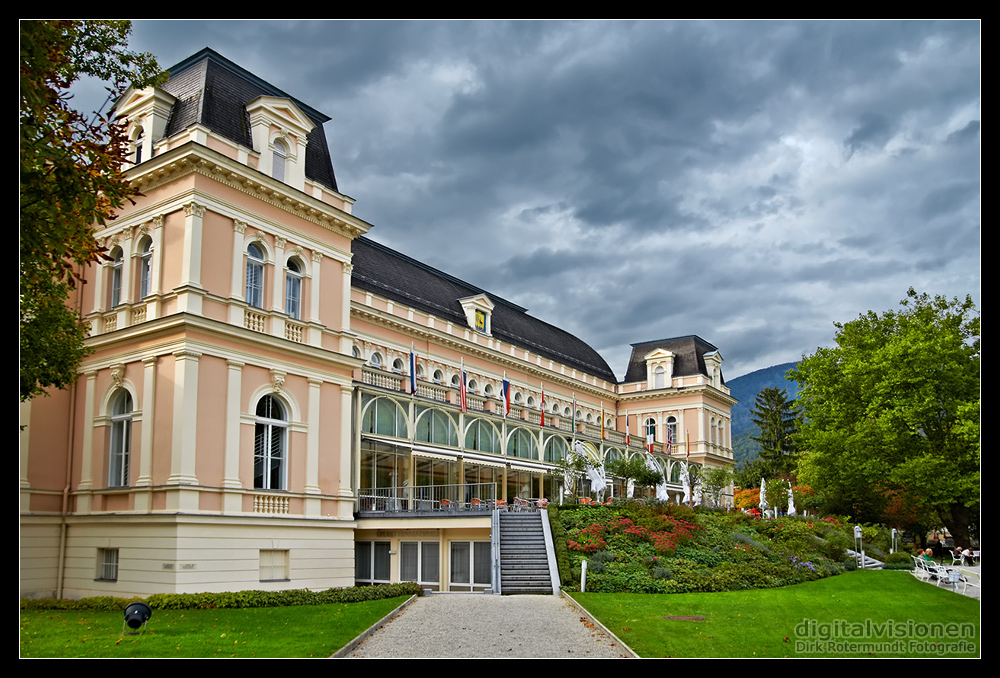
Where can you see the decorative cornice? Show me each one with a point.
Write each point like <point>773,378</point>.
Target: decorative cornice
<point>194,209</point>
<point>194,158</point>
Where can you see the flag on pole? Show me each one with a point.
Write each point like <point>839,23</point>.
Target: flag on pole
<point>628,438</point>
<point>542,387</point>
<point>463,401</point>
<point>687,443</point>
<point>670,440</point>
<point>413,370</point>
<point>650,437</point>
<point>505,394</point>
<point>602,420</point>
<point>574,411</point>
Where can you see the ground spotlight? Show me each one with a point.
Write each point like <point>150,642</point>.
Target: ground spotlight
<point>136,615</point>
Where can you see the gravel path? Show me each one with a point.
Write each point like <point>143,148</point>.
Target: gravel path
<point>457,625</point>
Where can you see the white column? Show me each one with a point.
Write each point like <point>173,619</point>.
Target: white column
<point>100,273</point>
<point>237,291</point>
<point>346,449</point>
<point>156,274</point>
<point>345,310</point>
<point>87,461</point>
<point>278,279</point>
<point>233,501</point>
<point>191,260</point>
<point>143,500</point>
<point>312,448</point>
<point>184,447</point>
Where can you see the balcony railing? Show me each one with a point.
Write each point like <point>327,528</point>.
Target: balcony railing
<point>428,500</point>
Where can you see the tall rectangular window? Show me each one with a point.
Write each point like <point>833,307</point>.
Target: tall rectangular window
<point>107,565</point>
<point>372,562</point>
<point>418,562</point>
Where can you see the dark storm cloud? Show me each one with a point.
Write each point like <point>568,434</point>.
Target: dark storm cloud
<point>751,182</point>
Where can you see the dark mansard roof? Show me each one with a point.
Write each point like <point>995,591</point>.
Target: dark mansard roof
<point>689,356</point>
<point>396,276</point>
<point>213,91</point>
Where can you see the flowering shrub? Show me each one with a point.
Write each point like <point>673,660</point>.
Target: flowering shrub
<point>644,548</point>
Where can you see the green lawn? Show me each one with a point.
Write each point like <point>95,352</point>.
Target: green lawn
<point>300,631</point>
<point>830,613</point>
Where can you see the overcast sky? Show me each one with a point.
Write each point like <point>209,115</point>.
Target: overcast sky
<point>749,182</point>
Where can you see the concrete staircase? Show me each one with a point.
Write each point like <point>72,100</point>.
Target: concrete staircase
<point>524,564</point>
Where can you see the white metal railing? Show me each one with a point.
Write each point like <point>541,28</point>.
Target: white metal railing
<point>270,503</point>
<point>439,499</point>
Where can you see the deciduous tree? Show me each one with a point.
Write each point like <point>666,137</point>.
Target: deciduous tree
<point>71,180</point>
<point>893,411</point>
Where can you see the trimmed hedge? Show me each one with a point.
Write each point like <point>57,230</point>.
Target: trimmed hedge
<point>230,600</point>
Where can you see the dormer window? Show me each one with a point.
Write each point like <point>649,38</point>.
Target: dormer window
<point>280,156</point>
<point>279,130</point>
<point>138,146</point>
<point>478,313</point>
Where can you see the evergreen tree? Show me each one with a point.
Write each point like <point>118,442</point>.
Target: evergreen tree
<point>777,421</point>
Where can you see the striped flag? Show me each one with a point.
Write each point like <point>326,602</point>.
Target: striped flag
<point>687,443</point>
<point>505,394</point>
<point>628,438</point>
<point>542,387</point>
<point>413,370</point>
<point>670,440</point>
<point>602,420</point>
<point>650,437</point>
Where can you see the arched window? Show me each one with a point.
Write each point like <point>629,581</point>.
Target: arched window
<point>145,267</point>
<point>280,155</point>
<point>355,351</point>
<point>383,416</point>
<point>376,360</point>
<point>566,412</point>
<point>488,390</point>
<point>481,435</point>
<point>270,445</point>
<point>138,145</point>
<point>397,366</point>
<point>255,276</point>
<point>121,440</point>
<point>521,444</point>
<point>438,377</point>
<point>117,260</point>
<point>556,449</point>
<point>672,430</point>
<point>456,381</point>
<point>435,426</point>
<point>472,386</point>
<point>293,289</point>
<point>650,429</point>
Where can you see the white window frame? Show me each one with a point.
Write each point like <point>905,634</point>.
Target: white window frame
<point>425,550</point>
<point>121,440</point>
<point>145,267</point>
<point>270,445</point>
<point>273,565</point>
<point>255,275</point>
<point>384,548</point>
<point>116,276</point>
<point>107,565</point>
<point>280,160</point>
<point>293,289</point>
<point>484,548</point>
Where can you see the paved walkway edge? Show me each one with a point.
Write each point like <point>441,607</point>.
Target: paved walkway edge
<point>349,648</point>
<point>593,620</point>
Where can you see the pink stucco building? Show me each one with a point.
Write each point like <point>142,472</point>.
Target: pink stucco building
<point>275,401</point>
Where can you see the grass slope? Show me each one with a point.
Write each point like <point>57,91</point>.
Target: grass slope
<point>769,622</point>
<point>299,631</point>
